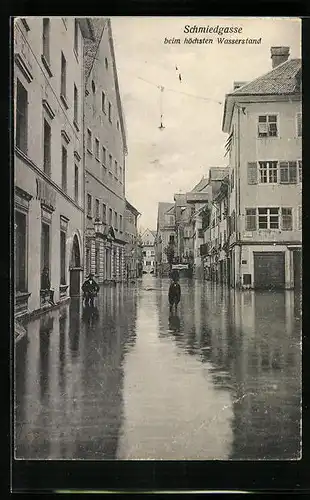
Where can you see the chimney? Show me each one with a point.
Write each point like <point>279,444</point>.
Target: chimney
<point>279,55</point>
<point>237,85</point>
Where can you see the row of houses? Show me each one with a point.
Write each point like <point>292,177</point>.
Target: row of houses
<point>71,212</point>
<point>242,224</point>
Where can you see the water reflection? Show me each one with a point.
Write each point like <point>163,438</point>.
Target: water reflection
<point>71,405</point>
<point>218,379</point>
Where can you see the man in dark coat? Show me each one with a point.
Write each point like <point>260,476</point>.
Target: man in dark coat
<point>174,293</point>
<point>90,289</point>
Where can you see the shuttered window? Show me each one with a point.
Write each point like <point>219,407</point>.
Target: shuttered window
<point>252,173</point>
<point>287,219</point>
<point>299,218</point>
<point>299,124</point>
<point>250,219</point>
<point>288,172</point>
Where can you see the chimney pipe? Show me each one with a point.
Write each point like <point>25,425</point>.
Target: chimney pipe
<point>237,85</point>
<point>279,55</point>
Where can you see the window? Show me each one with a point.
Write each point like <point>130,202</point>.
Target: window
<point>45,247</point>
<point>89,207</point>
<point>46,39</point>
<point>76,36</point>
<point>64,159</point>
<point>97,258</point>
<point>20,251</point>
<point>299,124</point>
<point>287,219</point>
<point>104,213</point>
<point>288,172</point>
<point>76,183</point>
<point>200,233</point>
<point>63,87</point>
<point>110,112</point>
<point>76,105</point>
<point>104,156</point>
<point>117,125</point>
<point>171,238</point>
<point>89,140</point>
<point>300,170</point>
<point>103,102</point>
<point>121,174</point>
<point>299,218</point>
<point>110,162</point>
<point>106,63</point>
<point>268,172</point>
<point>232,180</point>
<point>93,86</point>
<point>115,168</point>
<point>62,257</point>
<point>121,223</point>
<point>21,117</point>
<point>97,149</point>
<point>47,148</point>
<point>250,219</point>
<point>115,220</point>
<point>110,216</point>
<point>267,126</point>
<point>97,209</point>
<point>268,218</point>
<point>148,263</point>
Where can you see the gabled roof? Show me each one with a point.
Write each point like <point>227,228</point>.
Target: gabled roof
<point>91,47</point>
<point>280,80</point>
<point>201,185</point>
<point>163,208</point>
<point>283,80</point>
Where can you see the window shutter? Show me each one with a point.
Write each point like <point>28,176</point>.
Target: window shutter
<point>252,173</point>
<point>284,172</point>
<point>299,124</point>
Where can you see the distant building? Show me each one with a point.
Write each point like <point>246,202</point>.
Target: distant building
<point>148,251</point>
<point>264,121</point>
<point>105,151</point>
<point>48,161</point>
<point>132,248</point>
<point>165,235</point>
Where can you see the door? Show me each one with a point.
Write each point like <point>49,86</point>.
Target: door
<point>297,269</point>
<point>269,270</point>
<point>75,284</point>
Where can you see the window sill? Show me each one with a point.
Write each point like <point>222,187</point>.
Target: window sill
<point>46,65</point>
<point>89,151</point>
<point>64,101</point>
<point>98,159</point>
<point>75,123</point>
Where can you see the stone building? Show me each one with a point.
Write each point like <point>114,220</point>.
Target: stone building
<point>165,234</point>
<point>148,250</point>
<point>48,157</point>
<point>132,249</point>
<point>105,151</point>
<point>264,121</point>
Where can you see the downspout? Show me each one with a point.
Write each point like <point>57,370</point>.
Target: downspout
<point>83,160</point>
<point>238,200</point>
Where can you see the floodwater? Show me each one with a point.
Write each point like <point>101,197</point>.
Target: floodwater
<point>220,379</point>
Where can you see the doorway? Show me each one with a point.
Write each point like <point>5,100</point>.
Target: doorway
<point>75,269</point>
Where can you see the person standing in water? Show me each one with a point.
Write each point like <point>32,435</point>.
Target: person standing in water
<point>174,294</point>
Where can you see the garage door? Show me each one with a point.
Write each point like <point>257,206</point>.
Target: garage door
<point>269,270</point>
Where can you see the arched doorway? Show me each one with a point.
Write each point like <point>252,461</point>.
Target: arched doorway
<point>75,269</point>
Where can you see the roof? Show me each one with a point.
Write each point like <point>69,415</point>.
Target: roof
<point>162,209</point>
<point>91,46</point>
<point>132,209</point>
<point>201,185</point>
<point>284,79</point>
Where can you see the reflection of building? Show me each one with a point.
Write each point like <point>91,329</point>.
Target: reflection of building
<point>148,250</point>
<point>49,177</point>
<point>105,150</point>
<point>263,120</point>
<point>132,260</point>
<point>165,235</point>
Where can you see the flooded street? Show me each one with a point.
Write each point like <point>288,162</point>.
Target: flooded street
<point>221,379</point>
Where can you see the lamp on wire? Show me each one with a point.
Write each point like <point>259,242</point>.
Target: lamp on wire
<point>161,127</point>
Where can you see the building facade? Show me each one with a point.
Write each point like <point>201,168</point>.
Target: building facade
<point>133,263</point>
<point>165,236</point>
<point>105,151</point>
<point>148,251</point>
<point>263,120</point>
<point>49,176</point>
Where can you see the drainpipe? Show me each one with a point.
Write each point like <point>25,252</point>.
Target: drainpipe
<point>83,161</point>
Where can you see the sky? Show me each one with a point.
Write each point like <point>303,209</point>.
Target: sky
<point>163,162</point>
